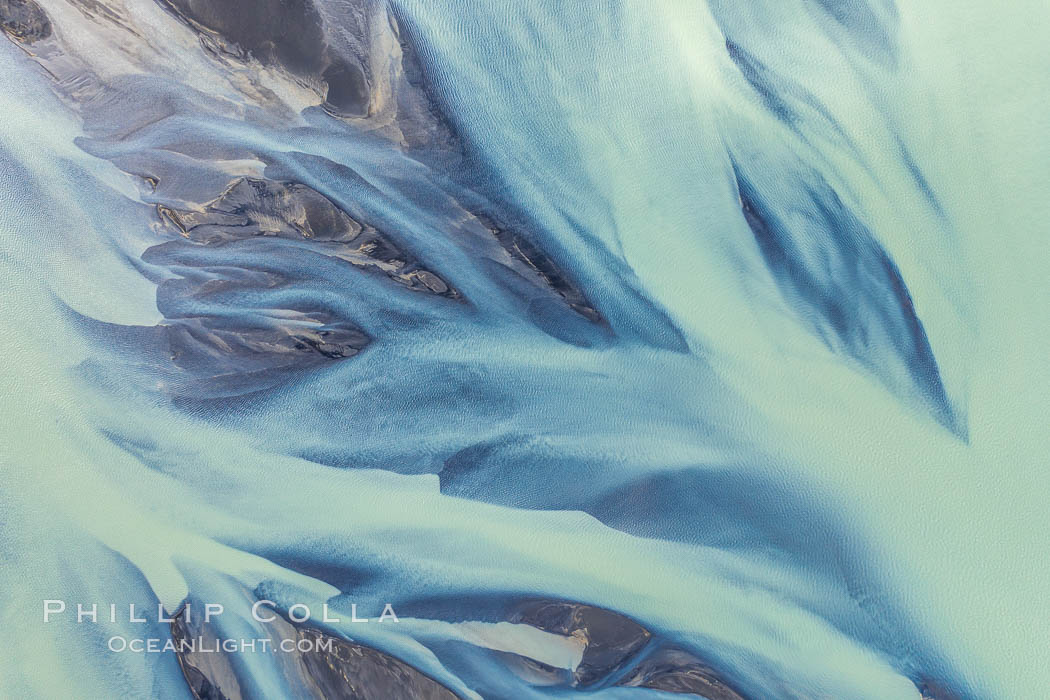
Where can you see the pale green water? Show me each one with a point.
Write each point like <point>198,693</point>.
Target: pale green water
<point>938,564</point>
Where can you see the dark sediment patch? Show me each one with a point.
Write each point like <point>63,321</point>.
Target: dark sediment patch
<point>612,639</point>
<point>331,669</point>
<point>538,267</point>
<point>251,207</point>
<point>232,291</point>
<point>357,672</point>
<point>285,32</point>
<point>933,690</point>
<point>422,121</point>
<point>257,207</point>
<point>615,642</point>
<point>24,21</point>
<point>348,93</point>
<point>228,331</point>
<point>675,671</point>
<point>211,345</point>
<point>446,148</point>
<point>290,34</point>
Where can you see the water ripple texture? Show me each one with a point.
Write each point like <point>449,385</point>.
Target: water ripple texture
<point>620,349</point>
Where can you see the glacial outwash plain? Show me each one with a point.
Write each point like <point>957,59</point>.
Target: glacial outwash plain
<point>524,349</point>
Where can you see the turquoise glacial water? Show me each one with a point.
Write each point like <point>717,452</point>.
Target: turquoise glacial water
<point>787,411</point>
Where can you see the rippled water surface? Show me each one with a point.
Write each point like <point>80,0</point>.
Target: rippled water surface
<point>626,349</point>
